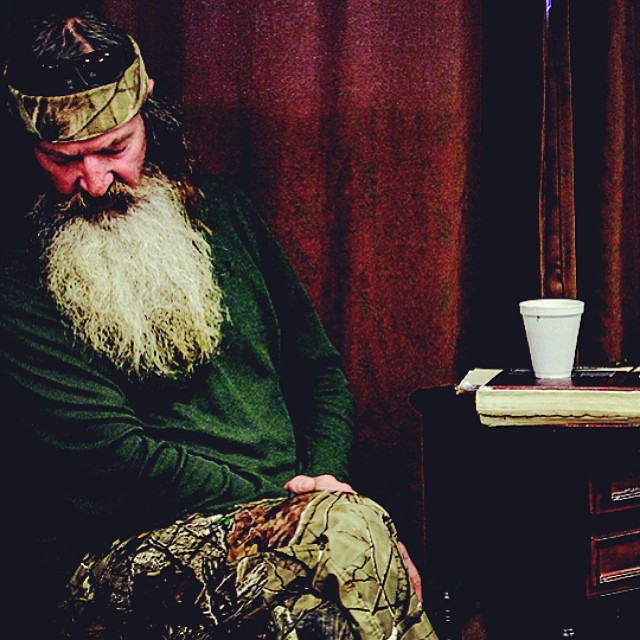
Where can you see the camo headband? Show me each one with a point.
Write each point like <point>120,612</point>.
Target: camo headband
<point>85,114</point>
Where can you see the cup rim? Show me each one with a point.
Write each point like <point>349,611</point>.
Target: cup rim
<point>551,306</point>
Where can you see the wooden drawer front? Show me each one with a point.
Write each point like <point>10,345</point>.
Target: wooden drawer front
<point>615,562</point>
<point>616,491</point>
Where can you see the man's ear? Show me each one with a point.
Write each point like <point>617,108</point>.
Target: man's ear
<point>150,83</point>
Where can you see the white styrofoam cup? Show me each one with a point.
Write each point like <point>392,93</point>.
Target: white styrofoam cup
<point>552,326</point>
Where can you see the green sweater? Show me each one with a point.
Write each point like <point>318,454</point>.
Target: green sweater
<point>102,456</point>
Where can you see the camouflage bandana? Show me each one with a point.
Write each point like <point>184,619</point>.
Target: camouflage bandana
<point>87,114</point>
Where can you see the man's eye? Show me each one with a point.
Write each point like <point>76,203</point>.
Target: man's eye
<point>61,161</point>
<point>111,152</point>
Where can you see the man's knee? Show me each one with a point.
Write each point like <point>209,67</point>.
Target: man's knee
<point>358,515</point>
<point>349,529</point>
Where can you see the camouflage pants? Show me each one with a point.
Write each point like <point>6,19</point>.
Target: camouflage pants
<point>321,565</point>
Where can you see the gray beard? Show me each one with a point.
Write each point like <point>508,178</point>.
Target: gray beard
<point>137,286</point>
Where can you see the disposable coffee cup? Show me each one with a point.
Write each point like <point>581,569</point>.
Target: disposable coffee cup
<point>552,326</point>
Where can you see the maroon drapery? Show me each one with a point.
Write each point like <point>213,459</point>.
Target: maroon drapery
<point>353,125</point>
<point>557,185</point>
<point>606,68</point>
<point>589,212</point>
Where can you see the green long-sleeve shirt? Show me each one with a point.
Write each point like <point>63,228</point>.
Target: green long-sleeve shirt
<point>101,455</point>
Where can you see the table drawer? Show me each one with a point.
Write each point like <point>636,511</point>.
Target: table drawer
<point>615,489</point>
<point>615,562</point>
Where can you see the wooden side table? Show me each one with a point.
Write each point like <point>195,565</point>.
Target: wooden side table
<point>538,525</point>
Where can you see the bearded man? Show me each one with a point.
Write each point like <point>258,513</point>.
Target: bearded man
<point>185,423</point>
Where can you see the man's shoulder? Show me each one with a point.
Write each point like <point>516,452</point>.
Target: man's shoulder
<point>18,266</point>
<point>226,203</point>
<point>220,190</point>
<point>24,302</point>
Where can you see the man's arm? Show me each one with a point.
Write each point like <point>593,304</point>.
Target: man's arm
<point>85,443</point>
<point>313,380</point>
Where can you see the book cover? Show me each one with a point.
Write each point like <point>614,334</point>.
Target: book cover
<point>594,378</point>
<point>603,395</point>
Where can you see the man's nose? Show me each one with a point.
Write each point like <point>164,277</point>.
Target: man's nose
<point>96,176</point>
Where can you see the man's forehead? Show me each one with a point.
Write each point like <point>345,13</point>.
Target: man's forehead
<point>111,138</point>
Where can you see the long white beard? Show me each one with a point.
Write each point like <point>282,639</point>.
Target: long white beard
<point>139,286</point>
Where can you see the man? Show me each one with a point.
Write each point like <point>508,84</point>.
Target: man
<point>186,423</point>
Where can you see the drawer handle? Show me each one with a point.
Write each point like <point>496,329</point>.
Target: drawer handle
<point>631,493</point>
<point>623,574</point>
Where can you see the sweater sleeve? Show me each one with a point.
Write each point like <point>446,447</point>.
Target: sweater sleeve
<point>81,440</point>
<point>312,374</point>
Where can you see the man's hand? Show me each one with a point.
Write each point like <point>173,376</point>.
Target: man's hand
<point>326,482</point>
<point>414,576</point>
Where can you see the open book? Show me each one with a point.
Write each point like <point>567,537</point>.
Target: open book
<point>593,395</point>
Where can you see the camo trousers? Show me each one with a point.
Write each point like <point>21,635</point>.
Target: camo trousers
<point>322,565</point>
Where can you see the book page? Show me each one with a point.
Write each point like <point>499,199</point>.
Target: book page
<point>476,378</point>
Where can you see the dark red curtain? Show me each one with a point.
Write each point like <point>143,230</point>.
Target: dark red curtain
<point>589,212</point>
<point>605,64</point>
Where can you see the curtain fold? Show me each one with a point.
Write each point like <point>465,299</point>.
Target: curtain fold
<point>589,229</point>
<point>558,276</point>
<point>616,330</point>
<point>605,66</point>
